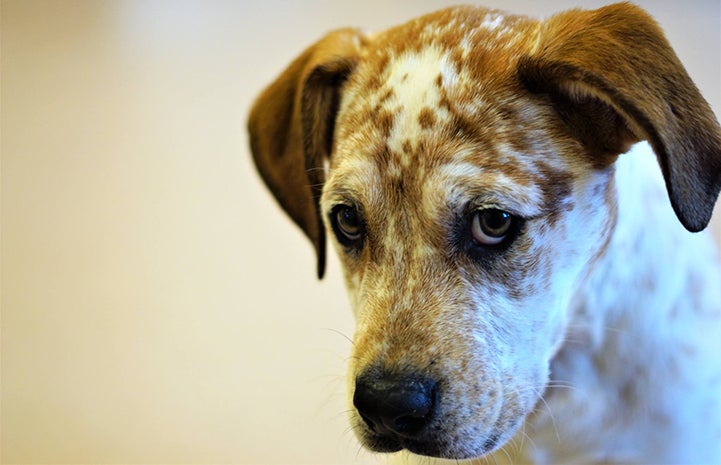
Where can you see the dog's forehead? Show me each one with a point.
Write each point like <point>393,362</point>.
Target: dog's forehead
<point>458,61</point>
<point>436,103</point>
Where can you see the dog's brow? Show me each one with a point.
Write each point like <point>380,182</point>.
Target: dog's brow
<point>465,183</point>
<point>352,179</point>
<point>490,186</point>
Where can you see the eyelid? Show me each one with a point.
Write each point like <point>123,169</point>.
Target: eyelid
<point>474,207</point>
<point>521,212</point>
<point>332,198</point>
<point>486,201</point>
<point>340,202</point>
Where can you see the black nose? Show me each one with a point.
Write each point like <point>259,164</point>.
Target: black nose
<point>397,404</point>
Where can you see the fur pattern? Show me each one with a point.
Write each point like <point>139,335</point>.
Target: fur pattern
<point>591,331</point>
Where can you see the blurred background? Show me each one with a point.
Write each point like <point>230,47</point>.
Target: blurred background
<point>157,306</point>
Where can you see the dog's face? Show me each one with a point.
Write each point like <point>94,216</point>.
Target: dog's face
<point>468,187</point>
<point>461,237</point>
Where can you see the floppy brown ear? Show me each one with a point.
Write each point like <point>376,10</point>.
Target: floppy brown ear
<point>291,129</point>
<point>618,57</point>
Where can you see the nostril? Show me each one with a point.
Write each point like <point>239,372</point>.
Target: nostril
<point>397,404</point>
<point>409,424</point>
<point>413,404</point>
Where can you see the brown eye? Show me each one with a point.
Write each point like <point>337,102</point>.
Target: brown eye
<point>490,226</point>
<point>347,224</point>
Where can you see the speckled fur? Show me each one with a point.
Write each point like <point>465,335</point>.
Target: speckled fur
<point>595,336</point>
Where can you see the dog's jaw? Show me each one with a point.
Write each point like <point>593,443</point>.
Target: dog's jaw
<point>421,138</point>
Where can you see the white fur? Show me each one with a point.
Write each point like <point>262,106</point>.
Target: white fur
<point>626,372</point>
<point>617,383</point>
<point>412,77</point>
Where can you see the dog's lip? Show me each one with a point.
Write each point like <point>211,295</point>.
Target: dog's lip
<point>429,445</point>
<point>440,450</point>
<point>383,443</point>
<point>434,443</point>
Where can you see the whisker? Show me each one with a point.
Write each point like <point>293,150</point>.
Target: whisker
<point>505,452</point>
<point>550,413</point>
<point>522,440</point>
<point>340,333</point>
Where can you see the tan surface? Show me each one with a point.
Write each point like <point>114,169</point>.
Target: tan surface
<point>156,305</point>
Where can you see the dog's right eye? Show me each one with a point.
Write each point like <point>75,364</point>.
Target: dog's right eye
<point>347,225</point>
<point>485,233</point>
<point>490,227</point>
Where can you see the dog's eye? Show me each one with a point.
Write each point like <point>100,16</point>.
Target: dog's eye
<point>490,227</point>
<point>347,224</point>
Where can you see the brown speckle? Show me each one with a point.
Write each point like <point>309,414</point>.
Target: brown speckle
<point>385,121</point>
<point>427,118</point>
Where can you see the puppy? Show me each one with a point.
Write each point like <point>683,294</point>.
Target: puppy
<point>520,282</point>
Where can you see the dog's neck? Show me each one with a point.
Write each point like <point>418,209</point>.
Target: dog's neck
<point>624,361</point>
<point>631,287</point>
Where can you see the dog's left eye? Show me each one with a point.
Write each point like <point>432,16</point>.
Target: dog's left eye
<point>490,227</point>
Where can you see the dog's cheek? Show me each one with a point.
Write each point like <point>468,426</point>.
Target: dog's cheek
<point>352,285</point>
<point>352,270</point>
<point>488,398</point>
<point>519,340</point>
<point>568,252</point>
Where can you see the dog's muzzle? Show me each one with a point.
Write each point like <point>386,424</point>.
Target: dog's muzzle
<point>403,409</point>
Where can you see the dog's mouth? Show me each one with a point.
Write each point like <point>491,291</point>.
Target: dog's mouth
<point>434,444</point>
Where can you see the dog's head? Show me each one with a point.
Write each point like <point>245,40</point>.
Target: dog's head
<point>463,165</point>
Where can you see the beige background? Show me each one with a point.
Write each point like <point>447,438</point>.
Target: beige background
<point>156,304</point>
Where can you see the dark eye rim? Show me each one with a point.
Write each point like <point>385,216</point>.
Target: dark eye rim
<point>343,237</point>
<point>480,226</point>
<point>485,253</point>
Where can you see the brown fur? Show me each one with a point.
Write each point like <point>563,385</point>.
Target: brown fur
<point>291,129</point>
<point>458,111</point>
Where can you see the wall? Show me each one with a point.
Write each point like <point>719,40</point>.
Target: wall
<point>156,304</point>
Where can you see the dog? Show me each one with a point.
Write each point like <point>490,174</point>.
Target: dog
<point>523,289</point>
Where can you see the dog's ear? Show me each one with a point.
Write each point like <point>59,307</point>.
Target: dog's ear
<point>291,129</point>
<point>615,67</point>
